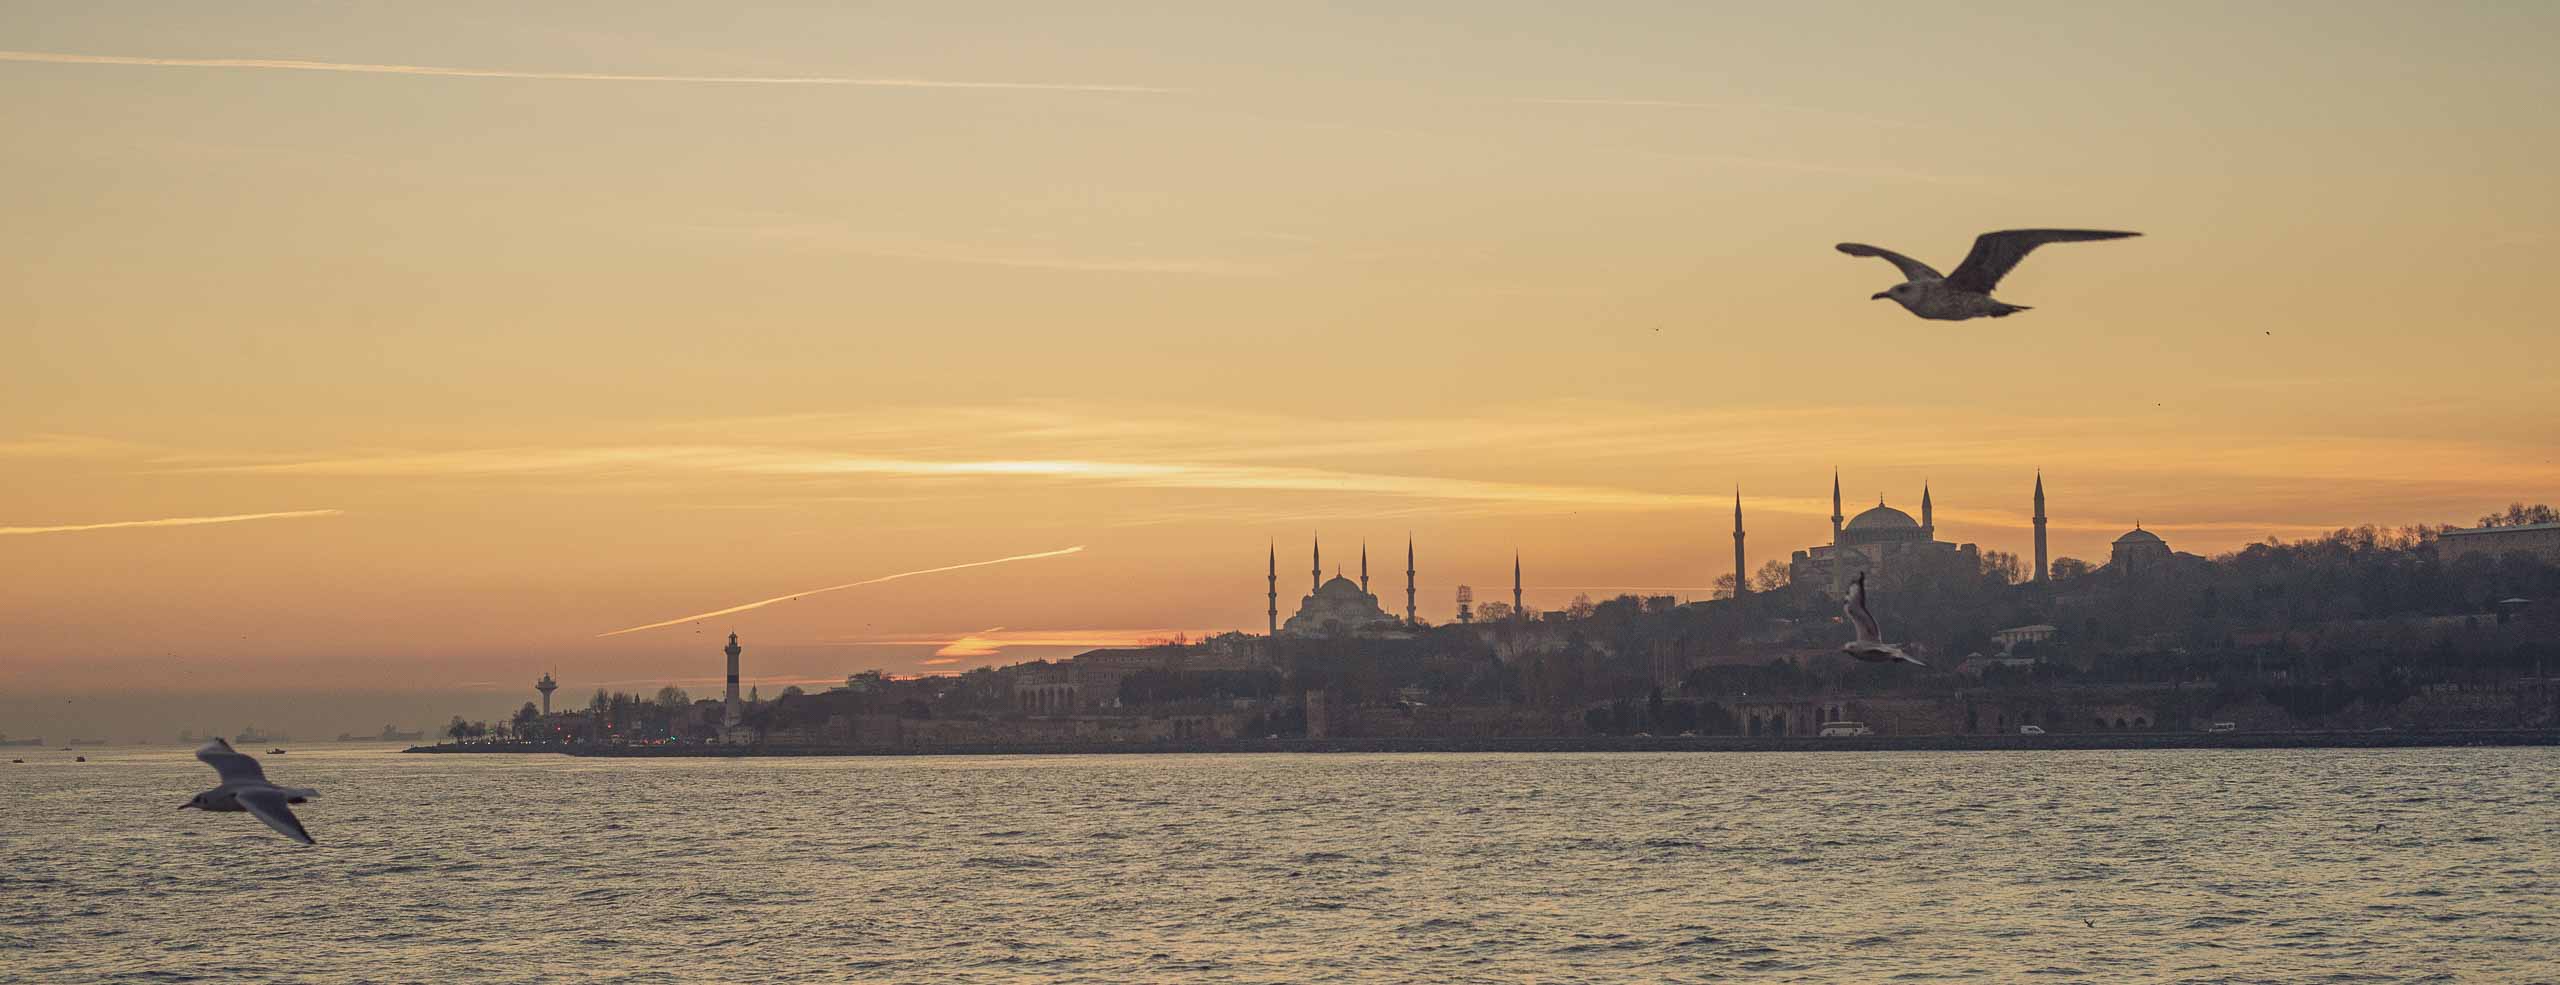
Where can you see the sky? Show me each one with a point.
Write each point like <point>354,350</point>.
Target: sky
<point>370,357</point>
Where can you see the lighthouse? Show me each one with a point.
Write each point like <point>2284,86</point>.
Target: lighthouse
<point>546,685</point>
<point>733,649</point>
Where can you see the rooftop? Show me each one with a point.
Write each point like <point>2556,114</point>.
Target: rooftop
<point>2476,531</point>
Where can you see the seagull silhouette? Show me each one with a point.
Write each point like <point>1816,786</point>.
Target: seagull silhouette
<point>1870,645</point>
<point>1967,292</point>
<point>245,788</point>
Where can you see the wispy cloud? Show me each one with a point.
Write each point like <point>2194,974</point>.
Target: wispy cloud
<point>837,588</point>
<point>853,240</point>
<point>298,65</point>
<point>173,521</point>
<point>993,640</point>
<point>1734,106</point>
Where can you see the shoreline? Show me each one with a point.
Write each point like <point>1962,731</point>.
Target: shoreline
<point>2432,738</point>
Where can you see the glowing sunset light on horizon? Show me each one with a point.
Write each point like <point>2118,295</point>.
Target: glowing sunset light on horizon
<point>1172,291</point>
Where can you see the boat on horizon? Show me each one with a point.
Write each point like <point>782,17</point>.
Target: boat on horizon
<point>5,740</point>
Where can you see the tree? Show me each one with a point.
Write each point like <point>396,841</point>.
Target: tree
<point>1494,611</point>
<point>1771,577</point>
<point>600,703</point>
<point>2518,515</point>
<point>2067,568</point>
<point>1579,608</point>
<point>792,691</point>
<point>672,697</point>
<point>2000,567</point>
<point>458,728</point>
<point>1723,589</point>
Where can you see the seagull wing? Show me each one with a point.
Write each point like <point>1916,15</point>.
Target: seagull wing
<point>268,803</point>
<point>1856,608</point>
<point>1995,254</point>
<point>233,766</point>
<point>1911,269</point>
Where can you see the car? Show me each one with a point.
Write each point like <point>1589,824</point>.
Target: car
<point>1843,729</point>
<point>2223,727</point>
<point>2030,730</point>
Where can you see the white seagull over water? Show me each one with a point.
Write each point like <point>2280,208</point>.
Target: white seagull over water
<point>1967,292</point>
<point>245,788</point>
<point>1870,645</point>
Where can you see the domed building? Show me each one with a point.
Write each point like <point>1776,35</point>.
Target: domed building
<point>2138,550</point>
<point>1339,606</point>
<point>1884,542</point>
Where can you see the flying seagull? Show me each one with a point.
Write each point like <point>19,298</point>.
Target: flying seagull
<point>1870,645</point>
<point>245,788</point>
<point>1967,292</point>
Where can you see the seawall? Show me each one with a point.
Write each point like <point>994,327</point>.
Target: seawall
<point>1601,743</point>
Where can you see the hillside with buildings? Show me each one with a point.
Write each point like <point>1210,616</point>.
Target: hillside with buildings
<point>2365,628</point>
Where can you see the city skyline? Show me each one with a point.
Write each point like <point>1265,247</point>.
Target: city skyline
<point>384,352</point>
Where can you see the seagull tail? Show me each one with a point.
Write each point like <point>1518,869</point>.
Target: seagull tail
<point>2010,309</point>
<point>296,795</point>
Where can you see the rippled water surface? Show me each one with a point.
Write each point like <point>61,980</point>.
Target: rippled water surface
<point>2240,866</point>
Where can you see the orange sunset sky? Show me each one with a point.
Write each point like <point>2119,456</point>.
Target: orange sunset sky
<point>483,331</point>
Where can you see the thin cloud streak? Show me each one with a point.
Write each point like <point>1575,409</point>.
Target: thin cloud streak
<point>298,65</point>
<point>836,588</point>
<point>174,521</point>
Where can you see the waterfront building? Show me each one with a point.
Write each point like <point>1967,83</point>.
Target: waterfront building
<point>2539,539</point>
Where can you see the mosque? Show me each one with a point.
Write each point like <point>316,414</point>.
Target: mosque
<point>1889,545</point>
<point>1340,606</point>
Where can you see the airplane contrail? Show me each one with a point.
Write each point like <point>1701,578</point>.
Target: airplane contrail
<point>174,521</point>
<point>298,65</point>
<point>851,584</point>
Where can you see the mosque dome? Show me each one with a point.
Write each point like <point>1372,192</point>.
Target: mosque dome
<point>2141,536</point>
<point>1883,518</point>
<point>1339,587</point>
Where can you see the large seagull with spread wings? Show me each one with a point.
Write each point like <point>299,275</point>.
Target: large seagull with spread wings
<point>1967,292</point>
<point>1870,645</point>
<point>245,788</point>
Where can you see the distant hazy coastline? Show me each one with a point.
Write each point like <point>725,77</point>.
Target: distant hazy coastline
<point>1595,743</point>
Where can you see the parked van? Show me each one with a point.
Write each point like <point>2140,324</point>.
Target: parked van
<point>1834,729</point>
<point>2030,730</point>
<point>2223,727</point>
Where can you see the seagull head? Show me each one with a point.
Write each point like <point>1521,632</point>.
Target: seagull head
<point>1896,292</point>
<point>196,802</point>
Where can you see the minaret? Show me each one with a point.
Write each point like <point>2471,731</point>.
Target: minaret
<point>1517,610</point>
<point>1928,521</point>
<point>733,649</point>
<point>1315,568</point>
<point>1410,619</point>
<point>1364,567</point>
<point>1836,577</point>
<point>1275,588</point>
<point>1741,572</point>
<point>546,685</point>
<point>2041,565</point>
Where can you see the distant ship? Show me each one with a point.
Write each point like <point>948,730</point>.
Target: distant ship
<point>87,742</point>
<point>251,736</point>
<point>5,740</point>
